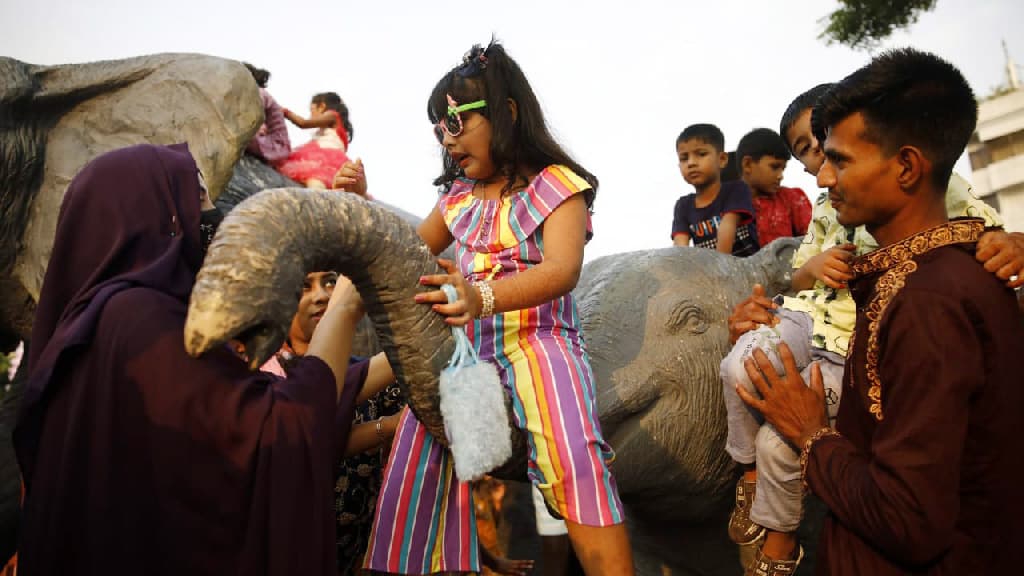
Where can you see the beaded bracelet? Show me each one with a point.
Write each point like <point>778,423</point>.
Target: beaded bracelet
<point>805,453</point>
<point>487,299</point>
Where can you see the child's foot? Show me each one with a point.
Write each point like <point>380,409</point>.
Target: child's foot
<point>765,566</point>
<point>742,530</point>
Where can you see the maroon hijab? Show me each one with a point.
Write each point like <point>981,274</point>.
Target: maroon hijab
<point>105,243</point>
<point>137,458</point>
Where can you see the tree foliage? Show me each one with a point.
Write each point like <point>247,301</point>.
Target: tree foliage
<point>865,23</point>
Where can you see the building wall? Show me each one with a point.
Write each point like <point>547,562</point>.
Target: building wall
<point>997,156</point>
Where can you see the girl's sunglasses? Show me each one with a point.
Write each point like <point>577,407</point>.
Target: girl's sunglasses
<point>451,124</point>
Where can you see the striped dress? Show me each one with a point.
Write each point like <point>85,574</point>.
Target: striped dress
<point>425,521</point>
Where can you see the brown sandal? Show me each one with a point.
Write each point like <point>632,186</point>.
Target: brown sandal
<point>742,530</point>
<point>765,566</point>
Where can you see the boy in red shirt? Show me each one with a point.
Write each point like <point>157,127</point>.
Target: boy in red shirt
<point>780,211</point>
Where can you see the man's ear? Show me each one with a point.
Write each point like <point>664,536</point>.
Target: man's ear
<point>514,109</point>
<point>914,167</point>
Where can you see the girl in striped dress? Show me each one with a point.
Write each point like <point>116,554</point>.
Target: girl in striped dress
<point>517,208</point>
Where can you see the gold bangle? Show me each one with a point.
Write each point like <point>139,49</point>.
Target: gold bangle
<point>486,299</point>
<point>805,452</point>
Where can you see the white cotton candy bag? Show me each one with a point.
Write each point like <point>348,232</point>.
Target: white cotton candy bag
<point>473,408</point>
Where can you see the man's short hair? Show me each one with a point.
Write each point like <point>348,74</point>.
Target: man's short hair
<point>802,102</point>
<point>707,133</point>
<point>907,97</point>
<point>761,142</point>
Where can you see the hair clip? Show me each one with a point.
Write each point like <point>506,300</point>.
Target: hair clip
<point>473,62</point>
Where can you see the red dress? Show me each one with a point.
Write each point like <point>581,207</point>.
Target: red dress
<point>321,157</point>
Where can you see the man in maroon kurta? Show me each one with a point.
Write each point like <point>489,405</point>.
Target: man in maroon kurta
<point>919,474</point>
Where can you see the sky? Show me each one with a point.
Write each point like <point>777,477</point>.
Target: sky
<point>618,81</point>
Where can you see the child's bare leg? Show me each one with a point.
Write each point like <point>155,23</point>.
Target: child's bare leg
<point>315,184</point>
<point>602,550</point>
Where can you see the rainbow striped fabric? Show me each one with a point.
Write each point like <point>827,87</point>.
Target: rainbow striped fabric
<point>425,522</point>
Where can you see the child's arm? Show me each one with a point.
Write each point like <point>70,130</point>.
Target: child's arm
<point>831,267</point>
<point>563,235</point>
<point>680,223</point>
<point>434,232</point>
<point>727,232</point>
<point>319,121</point>
<point>1003,254</point>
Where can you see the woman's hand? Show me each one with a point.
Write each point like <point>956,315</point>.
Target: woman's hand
<point>460,312</point>
<point>351,177</point>
<point>345,295</point>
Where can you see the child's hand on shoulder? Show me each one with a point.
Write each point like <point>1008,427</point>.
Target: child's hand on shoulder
<point>463,310</point>
<point>1003,255</point>
<point>832,266</point>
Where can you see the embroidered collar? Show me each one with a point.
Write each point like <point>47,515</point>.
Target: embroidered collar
<point>962,231</point>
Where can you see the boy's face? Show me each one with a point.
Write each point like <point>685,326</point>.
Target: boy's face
<point>803,143</point>
<point>765,175</point>
<point>699,162</point>
<point>861,180</point>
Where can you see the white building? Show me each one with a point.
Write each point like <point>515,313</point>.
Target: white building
<point>997,151</point>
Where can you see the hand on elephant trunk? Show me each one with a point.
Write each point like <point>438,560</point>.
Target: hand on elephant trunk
<point>757,309</point>
<point>787,403</point>
<point>346,295</point>
<point>463,310</point>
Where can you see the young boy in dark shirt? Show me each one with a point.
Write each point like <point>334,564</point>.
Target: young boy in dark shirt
<point>718,215</point>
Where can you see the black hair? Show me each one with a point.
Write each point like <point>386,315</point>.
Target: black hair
<point>805,101</point>
<point>334,102</point>
<point>761,142</point>
<point>519,146</point>
<point>260,75</point>
<point>707,133</point>
<point>731,171</point>
<point>907,97</point>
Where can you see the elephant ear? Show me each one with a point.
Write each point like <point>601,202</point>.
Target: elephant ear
<point>251,279</point>
<point>776,262</point>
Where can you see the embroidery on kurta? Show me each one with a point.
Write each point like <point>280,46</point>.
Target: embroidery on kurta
<point>897,262</point>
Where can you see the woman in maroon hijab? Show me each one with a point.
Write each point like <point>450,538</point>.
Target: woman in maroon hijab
<point>138,459</point>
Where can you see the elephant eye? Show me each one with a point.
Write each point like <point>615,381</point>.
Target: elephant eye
<point>689,318</point>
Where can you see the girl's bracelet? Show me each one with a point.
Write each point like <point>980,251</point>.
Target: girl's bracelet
<point>486,299</point>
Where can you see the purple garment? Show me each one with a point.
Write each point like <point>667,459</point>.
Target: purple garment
<point>271,143</point>
<point>137,458</point>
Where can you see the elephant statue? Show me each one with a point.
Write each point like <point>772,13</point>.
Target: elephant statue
<point>54,119</point>
<point>654,322</point>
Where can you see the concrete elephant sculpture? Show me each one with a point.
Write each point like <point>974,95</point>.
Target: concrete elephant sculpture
<point>54,119</point>
<point>655,323</point>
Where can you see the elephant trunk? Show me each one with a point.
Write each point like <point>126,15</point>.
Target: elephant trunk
<point>249,285</point>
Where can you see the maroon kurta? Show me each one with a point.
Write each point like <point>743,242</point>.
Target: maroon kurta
<point>924,479</point>
<point>138,459</point>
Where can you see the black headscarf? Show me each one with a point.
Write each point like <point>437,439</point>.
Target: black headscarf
<point>105,244</point>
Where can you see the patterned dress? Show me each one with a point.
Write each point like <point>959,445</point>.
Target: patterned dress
<point>425,518</point>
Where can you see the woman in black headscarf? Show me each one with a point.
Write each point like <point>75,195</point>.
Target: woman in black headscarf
<point>138,459</point>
